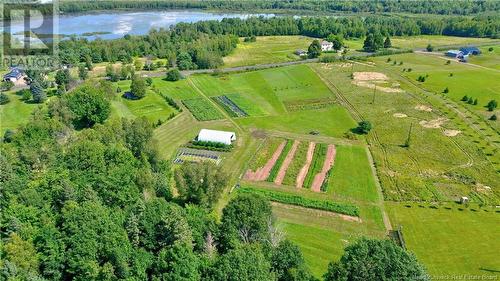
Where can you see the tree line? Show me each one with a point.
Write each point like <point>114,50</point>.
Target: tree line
<point>203,44</point>
<point>460,7</point>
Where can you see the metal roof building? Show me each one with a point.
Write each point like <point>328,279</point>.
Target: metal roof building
<point>216,136</point>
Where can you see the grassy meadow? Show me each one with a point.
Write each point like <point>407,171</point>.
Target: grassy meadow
<point>267,49</point>
<point>435,166</point>
<point>450,239</point>
<point>15,113</point>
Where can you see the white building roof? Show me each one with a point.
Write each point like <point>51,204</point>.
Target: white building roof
<point>216,136</point>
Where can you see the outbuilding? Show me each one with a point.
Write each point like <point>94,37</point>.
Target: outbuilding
<point>216,136</point>
<point>14,75</point>
<point>454,53</point>
<point>470,50</point>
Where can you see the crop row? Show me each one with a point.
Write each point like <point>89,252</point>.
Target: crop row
<point>274,171</point>
<point>287,198</point>
<point>316,164</point>
<point>202,110</point>
<point>232,108</point>
<point>298,162</point>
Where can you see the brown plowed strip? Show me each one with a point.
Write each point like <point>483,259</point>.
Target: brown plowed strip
<point>289,157</point>
<point>303,172</point>
<point>316,213</point>
<point>262,173</point>
<point>327,165</point>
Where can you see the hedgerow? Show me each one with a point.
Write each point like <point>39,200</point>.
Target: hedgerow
<point>287,198</point>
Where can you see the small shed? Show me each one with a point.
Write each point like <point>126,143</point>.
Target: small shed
<point>301,53</point>
<point>454,53</point>
<point>464,200</point>
<point>216,136</point>
<point>470,50</point>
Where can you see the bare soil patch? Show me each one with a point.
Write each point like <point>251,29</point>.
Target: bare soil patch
<point>303,171</point>
<point>371,79</point>
<point>433,124</point>
<point>422,107</point>
<point>451,133</point>
<point>369,76</point>
<point>289,157</point>
<point>327,165</point>
<point>400,115</point>
<point>263,173</point>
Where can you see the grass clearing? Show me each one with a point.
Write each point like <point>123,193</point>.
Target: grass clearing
<point>450,241</point>
<point>15,113</point>
<point>267,49</point>
<point>175,89</point>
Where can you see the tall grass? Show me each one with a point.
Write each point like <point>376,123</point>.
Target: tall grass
<point>279,162</point>
<point>316,164</point>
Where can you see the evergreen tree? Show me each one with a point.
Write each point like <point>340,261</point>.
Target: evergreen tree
<point>387,42</point>
<point>314,49</point>
<point>37,92</point>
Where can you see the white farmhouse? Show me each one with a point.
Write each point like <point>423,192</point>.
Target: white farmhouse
<point>326,46</point>
<point>216,136</point>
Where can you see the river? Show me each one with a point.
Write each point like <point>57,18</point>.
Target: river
<point>116,24</point>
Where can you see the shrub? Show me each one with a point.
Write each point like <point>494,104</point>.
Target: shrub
<point>490,49</point>
<point>4,99</point>
<point>465,98</point>
<point>364,127</point>
<point>492,104</point>
<point>174,75</point>
<point>493,117</point>
<point>209,145</point>
<point>287,198</point>
<point>446,90</point>
<point>429,48</point>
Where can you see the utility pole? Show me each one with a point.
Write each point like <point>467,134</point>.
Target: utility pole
<point>408,138</point>
<point>374,90</point>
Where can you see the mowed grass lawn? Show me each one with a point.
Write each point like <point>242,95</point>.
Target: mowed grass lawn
<point>152,106</point>
<point>267,49</point>
<point>15,113</point>
<point>450,242</point>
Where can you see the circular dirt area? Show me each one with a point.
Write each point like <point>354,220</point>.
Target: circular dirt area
<point>451,133</point>
<point>400,115</point>
<point>421,107</point>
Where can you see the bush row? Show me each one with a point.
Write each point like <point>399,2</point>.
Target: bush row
<point>208,145</point>
<point>286,198</point>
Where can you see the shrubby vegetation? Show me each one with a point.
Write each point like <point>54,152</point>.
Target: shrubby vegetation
<point>297,200</point>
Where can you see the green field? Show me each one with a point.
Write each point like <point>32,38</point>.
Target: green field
<point>152,106</point>
<point>177,90</point>
<point>490,59</point>
<point>15,113</point>
<point>435,166</point>
<point>316,164</point>
<point>297,163</point>
<point>267,49</point>
<point>202,109</point>
<point>450,240</point>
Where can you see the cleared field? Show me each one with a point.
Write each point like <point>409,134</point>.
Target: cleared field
<point>264,92</point>
<point>176,90</point>
<point>450,240</point>
<point>435,166</point>
<point>332,121</point>
<point>490,59</point>
<point>15,113</point>
<point>202,110</point>
<point>152,106</point>
<point>267,49</point>
<point>421,41</point>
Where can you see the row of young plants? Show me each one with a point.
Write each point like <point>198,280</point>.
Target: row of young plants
<point>287,198</point>
<point>279,162</point>
<point>316,163</point>
<point>202,110</point>
<point>209,145</point>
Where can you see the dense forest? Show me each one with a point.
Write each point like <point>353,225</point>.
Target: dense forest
<point>456,7</point>
<point>86,197</point>
<point>203,44</point>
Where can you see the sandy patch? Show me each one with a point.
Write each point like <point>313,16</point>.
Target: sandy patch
<point>345,65</point>
<point>369,76</point>
<point>451,133</point>
<point>371,79</point>
<point>400,115</point>
<point>303,171</point>
<point>263,173</point>
<point>319,178</point>
<point>289,157</point>
<point>422,107</point>
<point>433,124</point>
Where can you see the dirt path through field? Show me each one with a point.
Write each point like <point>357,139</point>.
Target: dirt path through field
<point>327,165</point>
<point>289,157</point>
<point>303,172</point>
<point>262,173</point>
